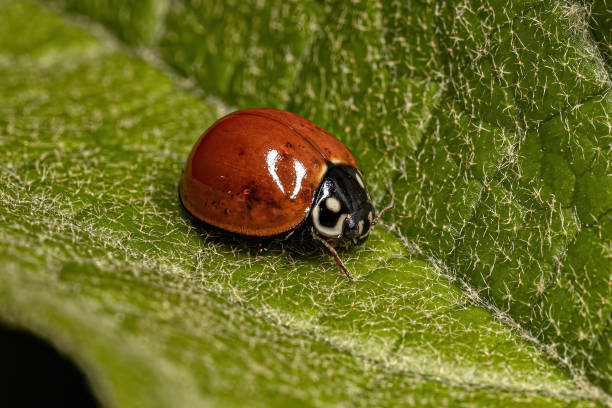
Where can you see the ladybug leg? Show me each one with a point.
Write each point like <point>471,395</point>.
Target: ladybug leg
<point>287,236</point>
<point>332,251</point>
<point>389,207</point>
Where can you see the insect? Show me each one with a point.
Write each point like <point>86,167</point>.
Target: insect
<point>266,172</point>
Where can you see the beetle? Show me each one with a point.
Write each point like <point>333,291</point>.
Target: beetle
<point>266,172</point>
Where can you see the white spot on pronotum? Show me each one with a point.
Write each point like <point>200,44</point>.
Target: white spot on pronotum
<point>360,227</point>
<point>359,180</point>
<point>272,159</point>
<point>331,232</point>
<point>300,173</point>
<point>332,204</point>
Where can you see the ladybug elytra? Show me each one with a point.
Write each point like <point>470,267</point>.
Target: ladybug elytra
<point>265,172</point>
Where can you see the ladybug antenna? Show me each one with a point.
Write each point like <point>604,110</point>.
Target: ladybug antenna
<point>334,254</point>
<point>387,208</point>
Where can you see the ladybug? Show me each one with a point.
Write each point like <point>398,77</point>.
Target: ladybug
<point>266,172</point>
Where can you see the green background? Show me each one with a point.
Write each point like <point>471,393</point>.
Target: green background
<point>488,124</point>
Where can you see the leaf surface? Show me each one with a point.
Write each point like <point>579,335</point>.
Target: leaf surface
<point>101,260</point>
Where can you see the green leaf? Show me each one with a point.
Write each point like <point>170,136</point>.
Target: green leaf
<point>600,22</point>
<point>137,22</point>
<point>491,286</point>
<point>252,50</point>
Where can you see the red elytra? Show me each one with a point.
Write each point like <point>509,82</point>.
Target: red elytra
<point>255,171</point>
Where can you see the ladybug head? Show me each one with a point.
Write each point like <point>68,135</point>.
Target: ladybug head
<point>342,208</point>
